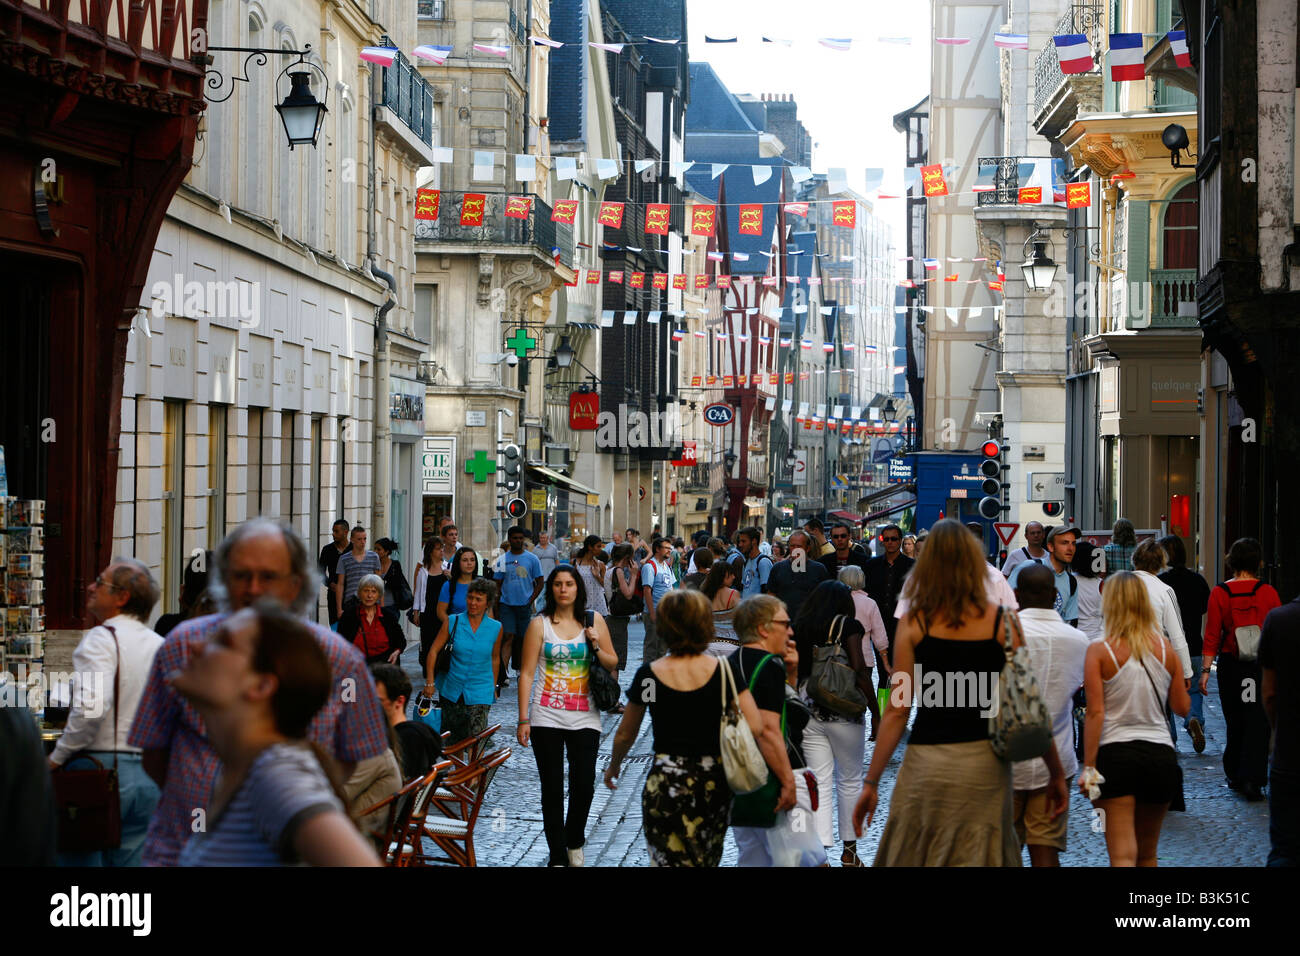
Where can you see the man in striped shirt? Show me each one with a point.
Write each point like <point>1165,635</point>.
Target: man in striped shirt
<point>353,565</point>
<point>261,558</point>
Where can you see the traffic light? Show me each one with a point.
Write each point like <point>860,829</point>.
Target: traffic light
<point>992,505</point>
<point>516,508</point>
<point>1052,509</point>
<point>511,458</point>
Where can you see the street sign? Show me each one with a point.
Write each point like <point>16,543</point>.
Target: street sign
<point>1006,531</point>
<point>900,470</point>
<point>1045,486</point>
<point>719,413</point>
<point>690,455</point>
<point>799,474</point>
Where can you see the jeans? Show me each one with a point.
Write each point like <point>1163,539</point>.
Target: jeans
<point>835,745</point>
<point>1284,818</point>
<point>1245,754</point>
<point>549,746</point>
<point>1198,702</point>
<point>139,796</point>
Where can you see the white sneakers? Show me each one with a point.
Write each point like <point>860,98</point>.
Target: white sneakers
<point>576,857</point>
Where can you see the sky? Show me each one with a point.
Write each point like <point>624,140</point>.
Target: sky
<point>847,100</point>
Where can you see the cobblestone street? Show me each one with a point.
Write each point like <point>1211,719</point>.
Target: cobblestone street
<point>509,831</point>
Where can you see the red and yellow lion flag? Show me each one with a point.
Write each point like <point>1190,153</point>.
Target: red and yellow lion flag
<point>723,281</point>
<point>702,281</point>
<point>679,280</point>
<point>1078,195</point>
<point>471,209</point>
<point>750,222</point>
<point>636,280</point>
<point>616,276</point>
<point>660,281</point>
<point>611,214</point>
<point>593,277</point>
<point>517,206</point>
<point>565,210</point>
<point>932,181</point>
<point>427,202</point>
<point>844,212</point>
<point>1029,195</point>
<point>656,218</point>
<point>704,218</point>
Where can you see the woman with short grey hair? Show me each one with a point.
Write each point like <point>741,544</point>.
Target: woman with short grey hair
<point>375,630</point>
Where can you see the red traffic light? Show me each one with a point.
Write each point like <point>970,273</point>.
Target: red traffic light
<point>516,508</point>
<point>992,449</point>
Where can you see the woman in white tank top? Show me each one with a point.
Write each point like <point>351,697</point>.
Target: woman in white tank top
<point>1129,677</point>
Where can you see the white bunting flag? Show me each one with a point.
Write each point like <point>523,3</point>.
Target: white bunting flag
<point>606,168</point>
<point>629,318</point>
<point>761,174</point>
<point>607,319</point>
<point>525,167</point>
<point>566,167</point>
<point>484,166</point>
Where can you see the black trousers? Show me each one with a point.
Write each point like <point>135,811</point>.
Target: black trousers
<point>1245,755</point>
<point>549,746</point>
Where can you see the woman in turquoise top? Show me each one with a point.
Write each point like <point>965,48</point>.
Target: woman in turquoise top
<point>468,687</point>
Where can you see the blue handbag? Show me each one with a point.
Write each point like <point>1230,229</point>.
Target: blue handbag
<point>428,711</point>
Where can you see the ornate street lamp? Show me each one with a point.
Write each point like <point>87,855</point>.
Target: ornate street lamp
<point>300,111</point>
<point>302,114</point>
<point>1039,269</point>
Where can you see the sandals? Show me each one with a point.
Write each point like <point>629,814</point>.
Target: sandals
<point>850,856</point>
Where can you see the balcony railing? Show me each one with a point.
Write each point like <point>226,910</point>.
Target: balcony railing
<point>1006,181</point>
<point>1082,18</point>
<point>1170,289</point>
<point>498,229</point>
<point>408,95</point>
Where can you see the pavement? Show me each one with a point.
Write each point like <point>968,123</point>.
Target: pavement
<point>1218,829</point>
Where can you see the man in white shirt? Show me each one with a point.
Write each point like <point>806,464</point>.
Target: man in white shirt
<point>1032,551</point>
<point>1056,654</point>
<point>110,668</point>
<point>1149,560</point>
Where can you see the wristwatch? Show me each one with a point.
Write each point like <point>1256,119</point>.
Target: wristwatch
<point>1205,670</point>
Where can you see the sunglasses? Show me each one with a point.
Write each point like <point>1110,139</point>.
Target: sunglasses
<point>891,539</point>
<point>784,622</point>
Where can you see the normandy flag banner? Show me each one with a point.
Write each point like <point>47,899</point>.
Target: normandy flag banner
<point>703,219</point>
<point>636,280</point>
<point>844,212</point>
<point>702,281</point>
<point>611,214</point>
<point>679,280</point>
<point>1029,195</point>
<point>724,281</point>
<point>517,206</point>
<point>427,202</point>
<point>471,209</point>
<point>932,181</point>
<point>1078,195</point>
<point>657,217</point>
<point>565,211</point>
<point>751,219</point>
<point>660,281</point>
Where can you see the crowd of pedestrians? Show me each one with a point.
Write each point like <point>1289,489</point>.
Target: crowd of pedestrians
<point>825,651</point>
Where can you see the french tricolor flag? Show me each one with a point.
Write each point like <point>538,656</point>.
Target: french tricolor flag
<point>434,54</point>
<point>716,256</point>
<point>381,55</point>
<point>931,263</point>
<point>678,335</point>
<point>1178,46</point>
<point>1074,53</point>
<point>1126,57</point>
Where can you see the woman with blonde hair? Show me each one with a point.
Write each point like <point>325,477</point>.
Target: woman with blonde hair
<point>952,804</point>
<point>1131,677</point>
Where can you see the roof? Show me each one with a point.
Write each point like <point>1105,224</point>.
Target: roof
<point>665,19</point>
<point>740,189</point>
<point>712,106</point>
<point>566,105</point>
<point>900,119</point>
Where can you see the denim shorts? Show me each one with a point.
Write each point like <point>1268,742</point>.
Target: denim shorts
<point>515,618</point>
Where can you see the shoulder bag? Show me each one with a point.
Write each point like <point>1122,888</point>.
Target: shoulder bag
<point>605,692</point>
<point>1178,804</point>
<point>443,663</point>
<point>758,808</point>
<point>742,761</point>
<point>90,801</point>
<point>402,596</point>
<point>833,683</point>
<point>620,606</point>
<point>1022,728</point>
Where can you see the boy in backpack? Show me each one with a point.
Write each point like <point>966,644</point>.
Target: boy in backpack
<point>1060,552</point>
<point>1233,621</point>
<point>758,566</point>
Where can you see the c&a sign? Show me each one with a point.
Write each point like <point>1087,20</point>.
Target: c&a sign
<point>584,410</point>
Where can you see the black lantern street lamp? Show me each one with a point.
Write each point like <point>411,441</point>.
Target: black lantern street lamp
<point>302,114</point>
<point>564,353</point>
<point>300,111</point>
<point>1039,269</point>
<point>890,411</point>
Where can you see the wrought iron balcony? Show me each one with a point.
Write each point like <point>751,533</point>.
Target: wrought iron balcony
<point>1171,289</point>
<point>498,229</point>
<point>408,95</point>
<point>1082,18</point>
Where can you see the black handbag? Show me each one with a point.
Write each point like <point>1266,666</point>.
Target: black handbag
<point>403,598</point>
<point>1178,804</point>
<point>620,606</point>
<point>605,692</point>
<point>90,801</point>
<point>443,664</point>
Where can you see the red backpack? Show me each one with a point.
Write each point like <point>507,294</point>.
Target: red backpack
<point>1246,620</point>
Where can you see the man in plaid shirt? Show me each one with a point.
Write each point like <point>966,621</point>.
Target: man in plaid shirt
<point>260,558</point>
<point>1123,542</point>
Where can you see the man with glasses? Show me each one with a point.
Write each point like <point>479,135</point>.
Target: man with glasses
<point>885,575</point>
<point>260,559</point>
<point>843,554</point>
<point>656,581</point>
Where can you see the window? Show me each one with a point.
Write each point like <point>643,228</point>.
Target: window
<point>173,494</point>
<point>253,107</point>
<point>1179,232</point>
<point>346,240</point>
<point>287,463</point>
<point>431,9</point>
<point>256,428</point>
<point>217,454</point>
<point>426,308</point>
<point>342,457</point>
<point>317,473</point>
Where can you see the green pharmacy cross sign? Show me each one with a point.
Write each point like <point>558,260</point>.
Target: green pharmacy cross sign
<point>480,466</point>
<point>521,343</point>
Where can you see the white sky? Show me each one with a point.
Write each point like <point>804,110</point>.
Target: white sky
<point>847,100</point>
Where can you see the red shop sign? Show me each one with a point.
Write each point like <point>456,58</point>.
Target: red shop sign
<point>584,411</point>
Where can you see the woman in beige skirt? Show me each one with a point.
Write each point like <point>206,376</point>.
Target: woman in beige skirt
<point>952,803</point>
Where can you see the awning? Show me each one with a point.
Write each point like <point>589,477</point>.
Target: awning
<point>846,516</point>
<point>555,478</point>
<point>891,511</point>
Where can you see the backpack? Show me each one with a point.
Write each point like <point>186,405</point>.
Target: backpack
<point>1247,635</point>
<point>757,568</point>
<point>833,683</point>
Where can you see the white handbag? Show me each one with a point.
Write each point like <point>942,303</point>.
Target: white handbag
<point>741,759</point>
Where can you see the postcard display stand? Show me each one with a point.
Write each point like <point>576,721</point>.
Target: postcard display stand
<point>22,581</point>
